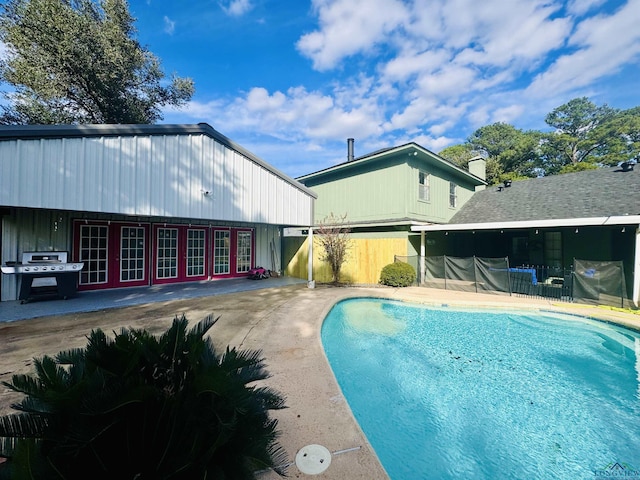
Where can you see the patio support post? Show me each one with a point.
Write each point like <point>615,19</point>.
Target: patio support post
<point>636,271</point>
<point>422,255</point>
<point>310,282</point>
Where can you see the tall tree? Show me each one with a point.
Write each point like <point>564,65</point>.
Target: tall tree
<point>580,134</point>
<point>459,154</point>
<point>514,153</point>
<point>621,135</point>
<point>77,61</point>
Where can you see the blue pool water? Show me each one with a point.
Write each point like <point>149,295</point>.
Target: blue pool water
<point>451,394</point>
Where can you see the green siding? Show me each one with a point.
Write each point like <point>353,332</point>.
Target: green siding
<point>365,197</point>
<point>437,209</point>
<point>387,190</point>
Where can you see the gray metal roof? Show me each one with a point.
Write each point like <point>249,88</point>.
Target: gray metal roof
<point>12,132</point>
<point>592,193</point>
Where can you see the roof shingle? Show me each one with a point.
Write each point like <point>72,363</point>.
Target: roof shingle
<point>591,193</point>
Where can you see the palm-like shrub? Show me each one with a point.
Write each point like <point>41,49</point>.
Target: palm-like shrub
<point>398,274</point>
<point>141,407</point>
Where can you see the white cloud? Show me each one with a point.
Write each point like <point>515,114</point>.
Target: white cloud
<point>237,8</point>
<point>580,7</point>
<point>440,53</point>
<point>479,116</point>
<point>603,45</point>
<point>408,64</point>
<point>508,114</point>
<point>521,33</point>
<point>348,27</point>
<point>447,82</point>
<point>440,128</point>
<point>297,113</point>
<point>169,25</point>
<point>4,51</point>
<point>434,144</point>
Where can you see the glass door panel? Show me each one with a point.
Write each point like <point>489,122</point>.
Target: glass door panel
<point>243,252</point>
<point>93,251</point>
<point>132,254</point>
<point>196,247</point>
<point>221,252</point>
<point>167,253</point>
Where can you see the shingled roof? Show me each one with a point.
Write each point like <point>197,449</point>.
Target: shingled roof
<point>592,193</point>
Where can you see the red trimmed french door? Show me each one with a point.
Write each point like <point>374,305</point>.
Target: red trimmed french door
<point>179,253</point>
<point>121,254</point>
<point>114,254</point>
<point>233,251</point>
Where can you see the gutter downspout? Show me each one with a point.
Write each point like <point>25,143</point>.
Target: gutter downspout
<point>636,271</point>
<point>310,282</point>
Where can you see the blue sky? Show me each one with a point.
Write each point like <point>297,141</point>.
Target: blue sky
<point>291,80</point>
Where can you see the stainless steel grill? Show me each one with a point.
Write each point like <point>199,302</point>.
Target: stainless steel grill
<point>44,274</point>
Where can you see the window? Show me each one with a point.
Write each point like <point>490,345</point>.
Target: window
<point>453,197</point>
<point>424,189</point>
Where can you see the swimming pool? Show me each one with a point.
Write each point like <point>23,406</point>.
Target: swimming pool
<point>447,394</point>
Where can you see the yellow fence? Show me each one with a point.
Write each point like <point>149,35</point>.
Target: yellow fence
<point>365,259</point>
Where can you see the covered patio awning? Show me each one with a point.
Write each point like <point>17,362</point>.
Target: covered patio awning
<point>610,221</point>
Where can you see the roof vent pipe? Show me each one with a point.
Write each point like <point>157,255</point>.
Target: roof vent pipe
<point>349,149</point>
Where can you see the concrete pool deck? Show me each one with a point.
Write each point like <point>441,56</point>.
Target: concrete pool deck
<point>284,322</point>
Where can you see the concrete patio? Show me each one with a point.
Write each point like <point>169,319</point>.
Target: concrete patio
<point>90,301</point>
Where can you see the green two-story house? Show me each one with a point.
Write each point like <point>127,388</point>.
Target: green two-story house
<point>383,194</point>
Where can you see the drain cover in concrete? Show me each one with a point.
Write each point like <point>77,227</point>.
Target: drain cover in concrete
<point>313,459</point>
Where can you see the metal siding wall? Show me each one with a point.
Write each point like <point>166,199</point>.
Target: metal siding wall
<point>92,178</point>
<point>147,176</point>
<point>127,173</point>
<point>265,234</point>
<point>217,198</point>
<point>171,168</point>
<point>8,171</point>
<point>241,213</point>
<point>141,171</point>
<point>31,195</point>
<point>10,252</point>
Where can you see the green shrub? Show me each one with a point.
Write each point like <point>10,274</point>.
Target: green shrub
<point>141,407</point>
<point>398,274</point>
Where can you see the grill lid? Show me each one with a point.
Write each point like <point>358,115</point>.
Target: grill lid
<point>44,257</point>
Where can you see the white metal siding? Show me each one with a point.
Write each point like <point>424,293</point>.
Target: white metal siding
<point>268,247</point>
<point>159,175</point>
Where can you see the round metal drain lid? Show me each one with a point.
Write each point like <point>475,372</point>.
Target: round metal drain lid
<point>313,459</point>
